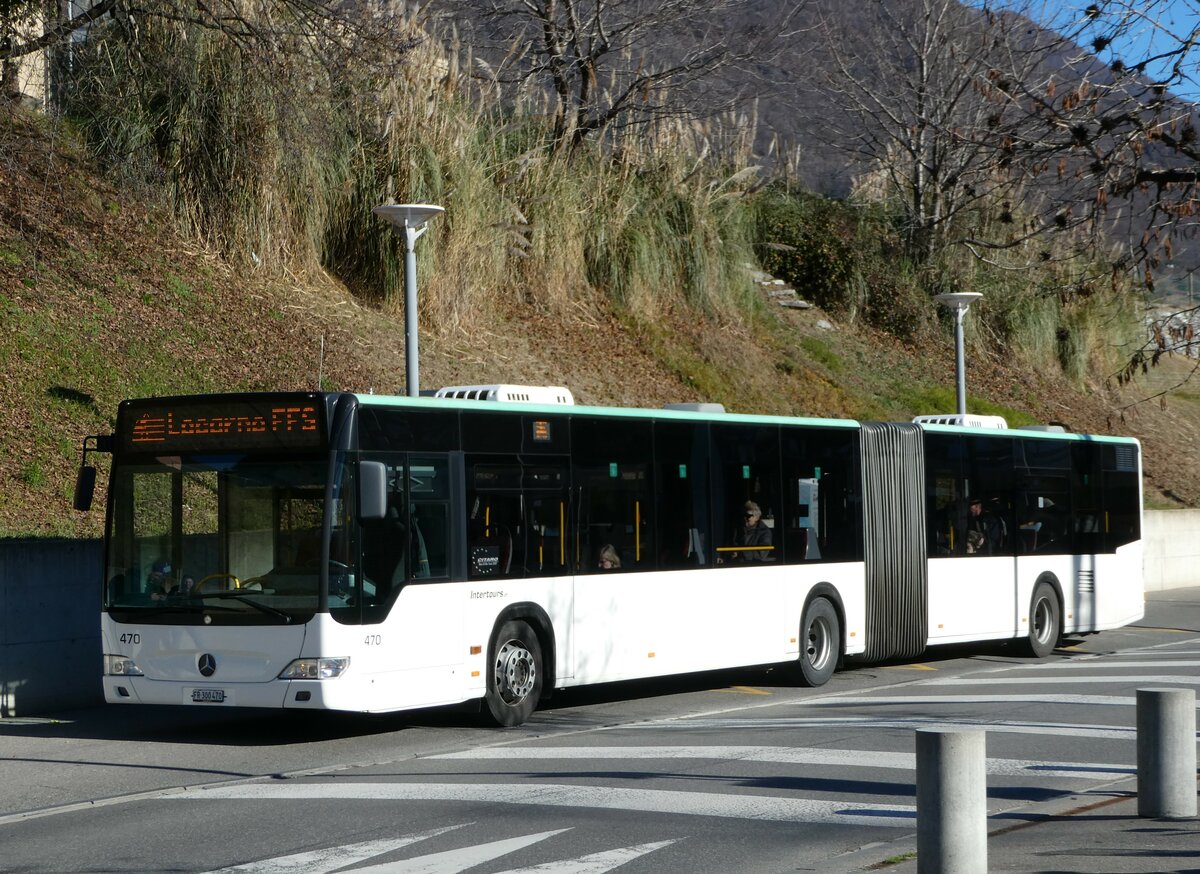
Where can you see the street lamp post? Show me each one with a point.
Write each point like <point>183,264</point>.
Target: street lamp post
<point>960,302</point>
<point>414,219</point>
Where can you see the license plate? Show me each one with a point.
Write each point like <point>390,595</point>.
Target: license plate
<point>215,696</point>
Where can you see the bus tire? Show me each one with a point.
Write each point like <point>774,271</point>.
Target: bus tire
<point>1045,625</point>
<point>514,681</point>
<point>820,642</point>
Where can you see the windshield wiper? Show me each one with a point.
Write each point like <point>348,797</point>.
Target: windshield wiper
<point>241,598</point>
<point>188,606</point>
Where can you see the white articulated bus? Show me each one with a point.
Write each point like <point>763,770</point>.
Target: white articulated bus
<point>364,553</point>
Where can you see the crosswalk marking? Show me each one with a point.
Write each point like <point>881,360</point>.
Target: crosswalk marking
<point>334,858</point>
<point>785,755</point>
<point>348,856</point>
<point>596,863</point>
<point>766,808</point>
<point>453,861</point>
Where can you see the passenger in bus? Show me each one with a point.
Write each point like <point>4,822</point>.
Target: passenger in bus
<point>754,535</point>
<point>609,560</point>
<point>161,584</point>
<point>985,529</point>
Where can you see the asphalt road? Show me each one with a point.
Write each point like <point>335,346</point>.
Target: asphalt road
<point>733,771</point>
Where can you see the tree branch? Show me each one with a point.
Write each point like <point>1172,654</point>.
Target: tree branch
<point>60,31</point>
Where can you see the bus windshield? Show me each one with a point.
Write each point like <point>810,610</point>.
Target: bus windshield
<point>225,539</point>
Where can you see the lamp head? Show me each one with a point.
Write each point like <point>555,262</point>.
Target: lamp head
<point>408,215</point>
<point>958,300</point>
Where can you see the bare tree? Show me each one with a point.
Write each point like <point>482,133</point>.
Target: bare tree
<point>58,24</point>
<point>614,63</point>
<point>260,24</point>
<point>1117,126</point>
<point>921,92</point>
<point>1127,148</point>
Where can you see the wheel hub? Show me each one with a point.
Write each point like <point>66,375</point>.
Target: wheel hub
<point>515,671</point>
<point>818,644</point>
<point>1041,621</point>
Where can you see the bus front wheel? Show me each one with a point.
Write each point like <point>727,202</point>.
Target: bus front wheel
<point>1044,624</point>
<point>514,682</point>
<point>820,642</point>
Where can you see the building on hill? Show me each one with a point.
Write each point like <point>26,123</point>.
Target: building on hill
<point>29,77</point>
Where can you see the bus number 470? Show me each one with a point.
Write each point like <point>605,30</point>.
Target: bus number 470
<point>373,639</point>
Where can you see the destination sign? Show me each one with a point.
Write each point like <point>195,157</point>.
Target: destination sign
<point>239,423</point>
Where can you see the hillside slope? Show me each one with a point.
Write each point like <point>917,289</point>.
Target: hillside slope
<point>100,299</point>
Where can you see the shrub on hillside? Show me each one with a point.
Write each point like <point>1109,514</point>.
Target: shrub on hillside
<point>810,242</point>
<point>843,257</point>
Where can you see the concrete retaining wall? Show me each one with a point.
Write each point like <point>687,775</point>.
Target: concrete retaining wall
<point>49,625</point>
<point>50,604</point>
<point>1172,543</point>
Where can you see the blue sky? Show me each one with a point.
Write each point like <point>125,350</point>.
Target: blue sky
<point>1152,27</point>
<point>1155,26</point>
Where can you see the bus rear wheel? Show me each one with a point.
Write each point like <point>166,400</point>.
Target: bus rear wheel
<point>514,682</point>
<point>1044,623</point>
<point>820,642</point>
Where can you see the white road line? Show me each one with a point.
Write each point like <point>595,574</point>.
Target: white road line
<point>1091,665</point>
<point>1034,698</point>
<point>1108,679</point>
<point>741,806</point>
<point>789,756</point>
<point>333,858</point>
<point>843,722</point>
<point>596,863</point>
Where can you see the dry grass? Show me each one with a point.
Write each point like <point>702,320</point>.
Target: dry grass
<point>102,299</point>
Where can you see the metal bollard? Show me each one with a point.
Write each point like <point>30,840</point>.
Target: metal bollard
<point>1166,753</point>
<point>951,802</point>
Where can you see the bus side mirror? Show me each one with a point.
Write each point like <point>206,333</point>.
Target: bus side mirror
<point>85,487</point>
<point>372,490</point>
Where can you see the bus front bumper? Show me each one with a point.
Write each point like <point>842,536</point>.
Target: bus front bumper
<point>275,694</point>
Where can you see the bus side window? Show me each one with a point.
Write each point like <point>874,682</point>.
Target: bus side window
<point>495,534</point>
<point>427,562</point>
<point>429,517</point>
<point>746,493</point>
<point>1120,494</point>
<point>803,512</point>
<point>613,495</point>
<point>383,549</point>
<point>820,502</point>
<point>1042,497</point>
<point>681,497</point>
<point>945,495</point>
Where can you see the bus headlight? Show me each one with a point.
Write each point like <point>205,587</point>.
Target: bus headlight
<point>121,666</point>
<point>315,669</point>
